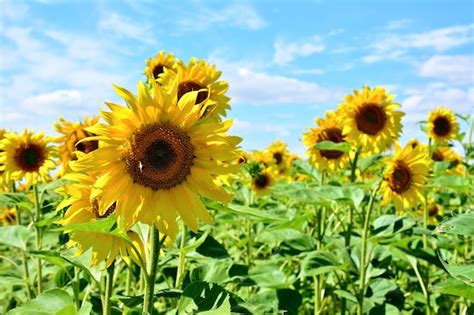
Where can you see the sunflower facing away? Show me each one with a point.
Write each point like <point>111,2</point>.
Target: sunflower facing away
<point>446,154</point>
<point>28,155</point>
<point>198,75</point>
<point>370,119</point>
<point>405,176</point>
<point>156,66</point>
<point>85,208</point>
<point>329,129</point>
<point>442,125</point>
<point>159,158</point>
<point>72,133</point>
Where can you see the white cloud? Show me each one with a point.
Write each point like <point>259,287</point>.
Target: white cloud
<point>13,10</point>
<point>286,52</point>
<point>395,46</point>
<point>123,26</point>
<point>236,15</point>
<point>397,24</point>
<point>314,71</point>
<point>456,69</point>
<point>48,102</point>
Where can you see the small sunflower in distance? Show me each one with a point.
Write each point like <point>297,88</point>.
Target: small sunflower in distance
<point>404,177</point>
<point>199,76</point>
<point>446,154</point>
<point>28,156</point>
<point>156,66</point>
<point>370,120</point>
<point>329,129</point>
<point>84,207</point>
<point>72,134</point>
<point>281,156</point>
<point>442,125</point>
<point>435,211</point>
<point>159,158</point>
<point>262,181</point>
<point>8,217</point>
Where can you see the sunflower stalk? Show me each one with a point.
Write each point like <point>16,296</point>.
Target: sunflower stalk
<point>182,257</point>
<point>354,164</point>
<point>109,283</point>
<point>39,240</point>
<point>153,267</point>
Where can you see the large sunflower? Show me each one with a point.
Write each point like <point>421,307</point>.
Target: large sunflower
<point>70,140</point>
<point>446,154</point>
<point>28,155</point>
<point>198,75</point>
<point>156,66</point>
<point>370,119</point>
<point>442,125</point>
<point>406,174</point>
<point>329,129</point>
<point>159,158</point>
<point>85,208</point>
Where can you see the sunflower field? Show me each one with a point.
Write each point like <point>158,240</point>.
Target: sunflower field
<point>152,207</point>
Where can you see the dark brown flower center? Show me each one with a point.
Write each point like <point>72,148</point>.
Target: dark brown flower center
<point>442,126</point>
<point>433,211</point>
<point>437,156</point>
<point>242,159</point>
<point>29,157</point>
<point>160,157</point>
<point>331,134</point>
<point>108,212</point>
<point>400,179</point>
<point>261,181</point>
<point>87,146</point>
<point>371,119</point>
<point>157,70</point>
<point>189,86</point>
<point>278,157</point>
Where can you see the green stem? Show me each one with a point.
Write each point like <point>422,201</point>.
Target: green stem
<point>425,247</point>
<point>39,240</point>
<point>317,298</point>
<point>182,257</point>
<point>354,165</point>
<point>109,283</point>
<point>153,266</point>
<point>363,250</point>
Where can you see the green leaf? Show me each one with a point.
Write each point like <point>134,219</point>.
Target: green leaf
<point>54,301</point>
<point>318,262</point>
<point>462,224</point>
<point>455,287</point>
<point>347,295</point>
<point>268,276</point>
<point>14,235</point>
<point>19,199</point>
<point>212,248</point>
<point>289,300</point>
<point>100,226</point>
<point>243,211</point>
<point>293,238</point>
<point>332,146</point>
<point>223,309</point>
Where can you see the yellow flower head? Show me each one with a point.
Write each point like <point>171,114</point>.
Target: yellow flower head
<point>446,154</point>
<point>435,210</point>
<point>329,129</point>
<point>370,119</point>
<point>262,181</point>
<point>28,155</point>
<point>405,176</point>
<point>8,217</point>
<point>199,76</point>
<point>72,134</point>
<point>281,157</point>
<point>84,207</point>
<point>242,158</point>
<point>3,182</point>
<point>159,158</point>
<point>156,66</point>
<point>442,125</point>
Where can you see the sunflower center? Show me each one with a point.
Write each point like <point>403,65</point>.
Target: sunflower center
<point>88,146</point>
<point>160,157</point>
<point>108,212</point>
<point>157,70</point>
<point>442,126</point>
<point>433,211</point>
<point>437,156</point>
<point>400,179</point>
<point>278,157</point>
<point>371,119</point>
<point>333,135</point>
<point>189,86</point>
<point>261,181</point>
<point>29,157</point>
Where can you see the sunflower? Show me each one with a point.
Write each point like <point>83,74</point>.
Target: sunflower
<point>262,181</point>
<point>27,156</point>
<point>281,157</point>
<point>199,76</point>
<point>159,159</point>
<point>442,125</point>
<point>329,129</point>
<point>85,208</point>
<point>70,141</point>
<point>370,119</point>
<point>156,66</point>
<point>242,158</point>
<point>435,211</point>
<point>406,174</point>
<point>3,182</point>
<point>446,154</point>
<point>8,217</point>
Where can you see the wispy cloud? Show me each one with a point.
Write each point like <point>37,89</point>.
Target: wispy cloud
<point>456,69</point>
<point>396,46</point>
<point>236,15</point>
<point>398,24</point>
<point>125,27</point>
<point>287,51</point>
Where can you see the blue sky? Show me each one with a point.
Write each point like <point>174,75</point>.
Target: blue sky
<point>287,62</point>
